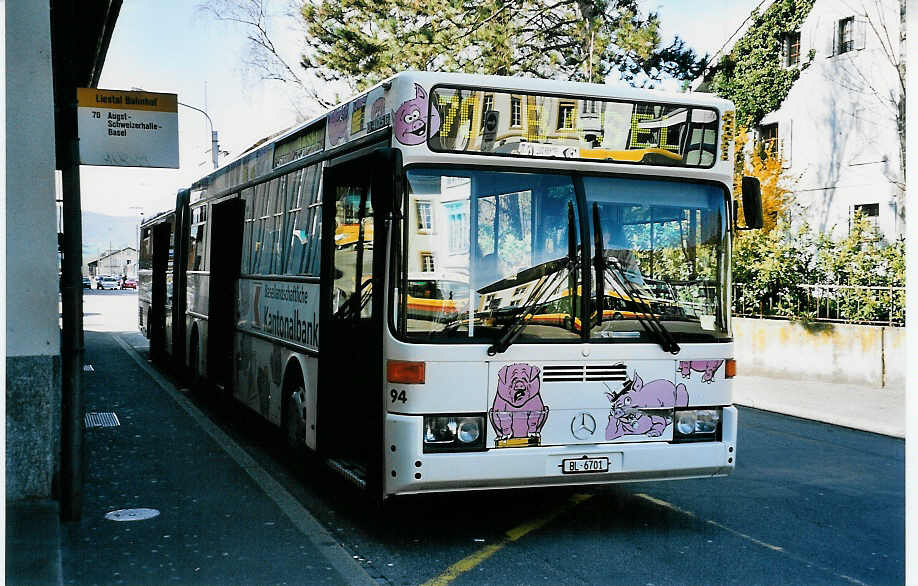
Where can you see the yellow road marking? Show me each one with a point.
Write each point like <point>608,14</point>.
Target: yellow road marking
<point>468,563</point>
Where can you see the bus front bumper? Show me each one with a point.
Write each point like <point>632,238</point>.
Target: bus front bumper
<point>409,470</point>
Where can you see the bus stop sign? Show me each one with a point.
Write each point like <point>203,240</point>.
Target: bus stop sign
<point>127,129</point>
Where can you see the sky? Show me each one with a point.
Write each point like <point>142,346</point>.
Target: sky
<point>174,46</point>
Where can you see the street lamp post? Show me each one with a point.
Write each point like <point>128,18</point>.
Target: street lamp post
<point>214,146</point>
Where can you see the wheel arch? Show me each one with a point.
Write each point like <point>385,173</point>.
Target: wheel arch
<point>298,369</point>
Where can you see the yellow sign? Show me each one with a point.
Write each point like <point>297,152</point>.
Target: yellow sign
<point>121,100</point>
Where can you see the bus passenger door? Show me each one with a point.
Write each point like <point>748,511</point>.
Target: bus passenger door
<point>225,255</point>
<point>350,410</point>
<point>160,303</point>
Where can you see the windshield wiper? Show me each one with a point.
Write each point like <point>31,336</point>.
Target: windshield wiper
<point>649,321</point>
<point>549,273</point>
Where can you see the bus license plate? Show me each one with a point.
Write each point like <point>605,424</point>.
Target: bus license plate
<point>584,465</point>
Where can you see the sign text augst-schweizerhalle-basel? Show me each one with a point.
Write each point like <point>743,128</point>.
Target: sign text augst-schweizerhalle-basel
<point>127,129</point>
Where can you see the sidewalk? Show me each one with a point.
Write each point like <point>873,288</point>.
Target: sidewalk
<point>221,518</point>
<point>876,410</point>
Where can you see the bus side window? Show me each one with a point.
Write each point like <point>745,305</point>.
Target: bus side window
<point>312,200</point>
<point>269,231</point>
<point>258,227</point>
<point>279,204</point>
<point>146,250</point>
<point>196,239</point>
<point>248,196</point>
<point>290,207</point>
<point>298,235</point>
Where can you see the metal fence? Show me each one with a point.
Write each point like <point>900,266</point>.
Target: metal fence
<point>878,305</point>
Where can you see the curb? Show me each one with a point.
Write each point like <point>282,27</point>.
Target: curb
<point>823,417</point>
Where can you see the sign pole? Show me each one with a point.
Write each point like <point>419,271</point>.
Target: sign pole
<point>72,331</point>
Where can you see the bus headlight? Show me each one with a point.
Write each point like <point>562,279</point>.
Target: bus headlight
<point>469,431</point>
<point>696,425</point>
<point>453,433</point>
<point>685,422</point>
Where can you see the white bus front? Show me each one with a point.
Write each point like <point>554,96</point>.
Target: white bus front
<point>549,355</point>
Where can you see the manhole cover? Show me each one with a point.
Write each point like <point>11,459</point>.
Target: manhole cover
<point>131,514</point>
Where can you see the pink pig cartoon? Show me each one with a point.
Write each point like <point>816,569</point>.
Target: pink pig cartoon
<point>627,416</point>
<point>410,119</point>
<point>518,410</point>
<point>708,367</point>
<point>337,125</point>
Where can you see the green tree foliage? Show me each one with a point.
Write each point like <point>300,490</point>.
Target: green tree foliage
<point>364,41</point>
<point>753,74</point>
<point>772,266</point>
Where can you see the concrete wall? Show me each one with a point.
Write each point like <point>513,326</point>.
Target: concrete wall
<point>871,355</point>
<point>33,382</point>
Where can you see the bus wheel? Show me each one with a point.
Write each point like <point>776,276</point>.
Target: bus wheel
<point>294,416</point>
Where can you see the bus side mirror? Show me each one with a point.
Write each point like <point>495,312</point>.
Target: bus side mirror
<point>752,205</point>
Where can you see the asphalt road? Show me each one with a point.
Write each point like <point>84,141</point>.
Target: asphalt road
<point>808,503</point>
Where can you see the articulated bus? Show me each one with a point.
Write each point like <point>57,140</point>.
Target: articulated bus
<point>457,282</point>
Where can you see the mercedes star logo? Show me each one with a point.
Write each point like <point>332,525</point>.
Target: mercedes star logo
<point>583,425</point>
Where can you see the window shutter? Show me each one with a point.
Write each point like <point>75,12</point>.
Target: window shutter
<point>832,40</point>
<point>860,32</point>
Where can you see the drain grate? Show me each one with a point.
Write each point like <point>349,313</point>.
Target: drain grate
<point>91,420</point>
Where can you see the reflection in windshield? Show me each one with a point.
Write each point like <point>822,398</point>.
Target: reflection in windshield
<point>478,244</point>
<point>667,239</point>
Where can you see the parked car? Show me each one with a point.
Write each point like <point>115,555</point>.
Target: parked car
<point>129,284</point>
<point>87,284</point>
<point>107,283</point>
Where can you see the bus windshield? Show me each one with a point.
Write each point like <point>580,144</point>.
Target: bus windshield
<point>486,250</point>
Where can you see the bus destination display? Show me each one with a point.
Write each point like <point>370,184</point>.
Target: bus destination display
<point>479,121</point>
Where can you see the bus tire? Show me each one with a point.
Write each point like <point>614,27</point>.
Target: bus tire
<point>293,416</point>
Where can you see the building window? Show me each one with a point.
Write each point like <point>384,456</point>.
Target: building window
<point>425,219</point>
<point>516,112</point>
<point>768,139</point>
<point>792,49</point>
<point>487,105</point>
<point>427,262</point>
<point>870,212</point>
<point>566,115</point>
<point>457,225</point>
<point>846,35</point>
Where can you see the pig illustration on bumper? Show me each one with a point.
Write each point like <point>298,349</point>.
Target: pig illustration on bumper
<point>708,367</point>
<point>627,416</point>
<point>518,410</point>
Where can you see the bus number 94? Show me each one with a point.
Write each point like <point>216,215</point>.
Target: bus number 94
<point>398,396</point>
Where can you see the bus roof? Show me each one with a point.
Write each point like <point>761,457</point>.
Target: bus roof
<point>374,110</point>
